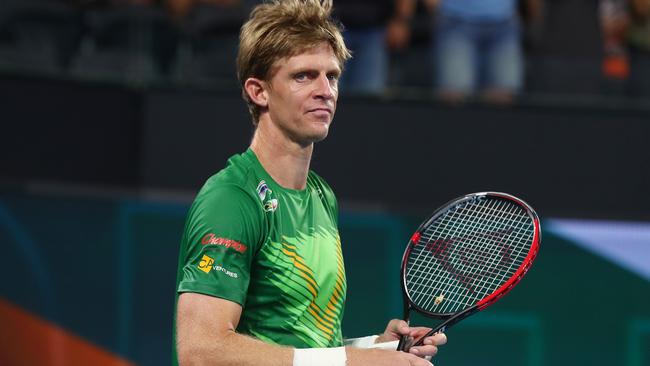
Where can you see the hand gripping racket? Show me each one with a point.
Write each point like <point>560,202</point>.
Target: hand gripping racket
<point>466,256</point>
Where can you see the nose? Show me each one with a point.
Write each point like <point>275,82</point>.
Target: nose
<point>325,88</point>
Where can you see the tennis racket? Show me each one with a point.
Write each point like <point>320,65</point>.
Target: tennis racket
<point>466,256</point>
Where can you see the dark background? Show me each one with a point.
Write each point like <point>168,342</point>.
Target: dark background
<point>399,153</point>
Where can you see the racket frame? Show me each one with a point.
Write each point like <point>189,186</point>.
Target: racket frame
<point>453,318</point>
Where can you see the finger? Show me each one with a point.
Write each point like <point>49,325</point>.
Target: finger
<point>423,351</point>
<point>437,339</point>
<point>398,326</point>
<point>417,332</point>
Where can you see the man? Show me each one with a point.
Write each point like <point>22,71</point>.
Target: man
<point>477,47</point>
<point>261,278</point>
<point>373,28</point>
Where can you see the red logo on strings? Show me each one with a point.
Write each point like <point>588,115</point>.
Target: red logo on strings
<point>471,257</point>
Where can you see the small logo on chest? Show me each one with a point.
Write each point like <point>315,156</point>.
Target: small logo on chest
<point>264,193</point>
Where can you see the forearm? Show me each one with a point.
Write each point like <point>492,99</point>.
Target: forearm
<point>235,349</point>
<point>240,350</point>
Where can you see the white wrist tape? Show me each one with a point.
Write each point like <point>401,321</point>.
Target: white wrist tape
<point>362,342</point>
<point>369,342</point>
<point>319,356</point>
<point>386,345</point>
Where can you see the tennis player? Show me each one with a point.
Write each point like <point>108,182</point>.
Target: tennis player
<point>261,279</point>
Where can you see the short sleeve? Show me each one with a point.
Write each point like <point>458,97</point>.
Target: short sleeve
<point>223,231</point>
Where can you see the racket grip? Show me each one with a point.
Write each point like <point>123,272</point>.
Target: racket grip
<point>403,343</point>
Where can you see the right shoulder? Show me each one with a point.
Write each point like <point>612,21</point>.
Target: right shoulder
<point>229,200</point>
<point>238,180</point>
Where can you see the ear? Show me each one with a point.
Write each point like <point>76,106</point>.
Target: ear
<point>256,91</point>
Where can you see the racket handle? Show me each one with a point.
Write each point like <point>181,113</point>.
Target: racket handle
<point>441,328</point>
<point>403,343</point>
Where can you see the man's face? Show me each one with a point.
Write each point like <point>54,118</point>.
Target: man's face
<point>302,94</point>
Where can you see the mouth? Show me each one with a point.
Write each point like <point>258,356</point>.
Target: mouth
<point>321,109</point>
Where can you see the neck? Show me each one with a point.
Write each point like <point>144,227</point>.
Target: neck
<point>286,161</point>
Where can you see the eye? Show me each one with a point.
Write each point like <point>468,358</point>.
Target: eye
<point>301,76</point>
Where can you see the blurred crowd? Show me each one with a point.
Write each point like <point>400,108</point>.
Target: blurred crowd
<point>626,42</point>
<point>459,50</point>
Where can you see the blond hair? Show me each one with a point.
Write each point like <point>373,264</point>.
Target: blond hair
<point>283,28</point>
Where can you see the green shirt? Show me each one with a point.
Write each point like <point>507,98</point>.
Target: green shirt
<point>273,250</point>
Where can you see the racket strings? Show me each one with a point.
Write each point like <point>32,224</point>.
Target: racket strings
<point>467,253</point>
<point>461,268</point>
<point>444,230</point>
<point>467,294</point>
<point>472,288</point>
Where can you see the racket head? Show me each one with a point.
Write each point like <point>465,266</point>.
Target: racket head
<point>469,253</point>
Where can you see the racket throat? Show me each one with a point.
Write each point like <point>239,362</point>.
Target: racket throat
<point>441,328</point>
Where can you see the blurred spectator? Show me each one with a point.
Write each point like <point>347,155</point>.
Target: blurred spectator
<point>130,41</point>
<point>208,47</point>
<point>614,21</point>
<point>626,38</point>
<point>565,55</point>
<point>478,48</point>
<point>638,40</point>
<point>37,36</point>
<point>372,28</point>
<point>182,8</point>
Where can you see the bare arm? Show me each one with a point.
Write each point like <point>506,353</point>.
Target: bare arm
<point>206,336</point>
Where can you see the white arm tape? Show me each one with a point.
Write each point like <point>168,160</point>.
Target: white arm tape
<point>386,345</point>
<point>362,342</point>
<point>369,342</point>
<point>319,356</point>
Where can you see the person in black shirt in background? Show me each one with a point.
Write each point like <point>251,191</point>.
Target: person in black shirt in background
<point>372,29</point>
